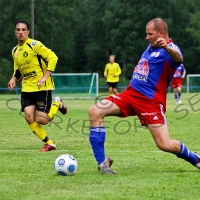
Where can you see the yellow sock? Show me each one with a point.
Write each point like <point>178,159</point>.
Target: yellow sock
<point>40,132</point>
<point>53,110</point>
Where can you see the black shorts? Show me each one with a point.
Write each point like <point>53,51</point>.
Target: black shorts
<point>113,85</point>
<point>41,99</point>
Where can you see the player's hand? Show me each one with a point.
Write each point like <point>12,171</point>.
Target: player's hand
<point>41,81</point>
<point>161,42</point>
<point>105,76</point>
<point>115,75</point>
<point>12,83</point>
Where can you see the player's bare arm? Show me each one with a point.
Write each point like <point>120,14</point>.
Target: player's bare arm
<point>173,53</point>
<point>12,83</point>
<point>184,73</point>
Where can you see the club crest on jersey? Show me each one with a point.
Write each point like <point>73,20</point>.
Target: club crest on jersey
<point>34,43</point>
<point>25,54</point>
<point>155,54</point>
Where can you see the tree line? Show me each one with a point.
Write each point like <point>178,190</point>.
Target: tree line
<point>83,33</point>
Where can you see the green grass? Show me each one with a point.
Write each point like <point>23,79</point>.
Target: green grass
<point>143,172</point>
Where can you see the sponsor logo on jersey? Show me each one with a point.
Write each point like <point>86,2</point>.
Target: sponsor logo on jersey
<point>34,43</point>
<point>140,77</point>
<point>29,75</point>
<point>155,54</point>
<point>141,71</point>
<point>142,67</point>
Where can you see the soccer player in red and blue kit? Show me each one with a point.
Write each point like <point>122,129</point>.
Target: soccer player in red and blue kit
<point>177,82</point>
<point>145,97</point>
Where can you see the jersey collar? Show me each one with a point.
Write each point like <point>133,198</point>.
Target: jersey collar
<point>170,40</point>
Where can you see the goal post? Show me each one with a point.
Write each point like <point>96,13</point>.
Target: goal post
<point>193,83</point>
<point>76,85</point>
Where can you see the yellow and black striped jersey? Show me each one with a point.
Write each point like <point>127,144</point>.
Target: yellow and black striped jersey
<point>31,61</point>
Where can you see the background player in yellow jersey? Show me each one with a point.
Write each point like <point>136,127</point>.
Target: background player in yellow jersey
<point>111,72</point>
<point>34,63</point>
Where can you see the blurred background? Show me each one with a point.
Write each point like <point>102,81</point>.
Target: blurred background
<point>83,33</point>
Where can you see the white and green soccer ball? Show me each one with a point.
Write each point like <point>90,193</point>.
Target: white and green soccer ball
<point>66,165</point>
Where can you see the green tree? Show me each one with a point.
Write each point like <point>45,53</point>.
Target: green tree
<point>54,26</point>
<point>84,33</point>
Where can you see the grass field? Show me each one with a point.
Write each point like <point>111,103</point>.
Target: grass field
<point>143,172</point>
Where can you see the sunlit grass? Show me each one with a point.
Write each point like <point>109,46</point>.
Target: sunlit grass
<point>142,171</point>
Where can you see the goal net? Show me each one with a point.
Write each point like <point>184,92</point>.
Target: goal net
<point>193,83</point>
<point>76,85</point>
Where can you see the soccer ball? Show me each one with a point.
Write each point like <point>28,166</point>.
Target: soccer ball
<point>66,165</point>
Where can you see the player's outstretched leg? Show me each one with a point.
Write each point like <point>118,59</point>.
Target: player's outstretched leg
<point>163,142</point>
<point>198,163</point>
<point>110,162</point>
<point>62,107</point>
<point>97,140</point>
<point>104,167</point>
<point>189,156</point>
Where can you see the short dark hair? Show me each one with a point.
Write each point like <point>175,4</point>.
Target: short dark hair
<point>159,24</point>
<point>23,22</point>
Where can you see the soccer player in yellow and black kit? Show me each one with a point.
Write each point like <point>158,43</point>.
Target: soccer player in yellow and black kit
<point>33,64</point>
<point>111,72</point>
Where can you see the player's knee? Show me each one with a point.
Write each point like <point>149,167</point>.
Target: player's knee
<point>164,147</point>
<point>42,120</point>
<point>29,119</point>
<point>95,113</point>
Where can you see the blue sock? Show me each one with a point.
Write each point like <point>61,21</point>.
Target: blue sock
<point>97,139</point>
<point>187,155</point>
<point>175,95</point>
